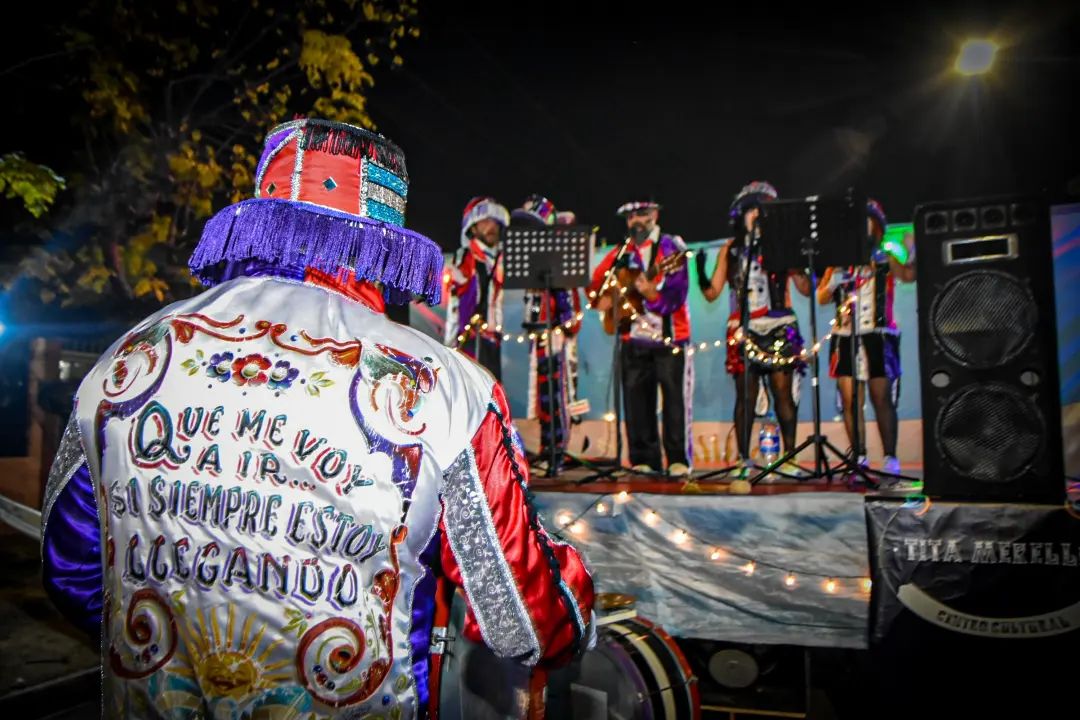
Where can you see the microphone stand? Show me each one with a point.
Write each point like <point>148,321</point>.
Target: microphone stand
<point>615,466</point>
<point>743,298</point>
<point>817,439</point>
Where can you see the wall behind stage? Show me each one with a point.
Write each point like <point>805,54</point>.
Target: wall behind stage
<point>713,389</point>
<point>714,393</point>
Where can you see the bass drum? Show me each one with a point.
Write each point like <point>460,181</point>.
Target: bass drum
<point>474,682</point>
<point>636,672</point>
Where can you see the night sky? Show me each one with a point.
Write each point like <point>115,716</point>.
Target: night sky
<point>591,104</point>
<point>591,108</point>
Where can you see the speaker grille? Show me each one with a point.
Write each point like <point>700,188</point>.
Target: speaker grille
<point>983,319</point>
<point>991,433</point>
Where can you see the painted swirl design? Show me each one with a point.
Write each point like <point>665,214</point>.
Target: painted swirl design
<point>148,638</point>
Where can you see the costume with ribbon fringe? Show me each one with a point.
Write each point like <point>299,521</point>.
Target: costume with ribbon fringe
<point>474,289</point>
<point>645,354</point>
<point>559,307</point>
<point>260,485</point>
<point>773,326</point>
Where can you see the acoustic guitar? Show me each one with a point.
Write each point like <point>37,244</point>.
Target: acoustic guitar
<point>623,307</point>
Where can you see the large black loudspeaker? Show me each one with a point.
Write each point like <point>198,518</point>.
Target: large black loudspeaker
<point>988,350</point>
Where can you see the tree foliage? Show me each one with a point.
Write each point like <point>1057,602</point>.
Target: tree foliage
<point>34,185</point>
<point>170,104</point>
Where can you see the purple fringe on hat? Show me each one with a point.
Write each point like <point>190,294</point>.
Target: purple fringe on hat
<point>291,234</point>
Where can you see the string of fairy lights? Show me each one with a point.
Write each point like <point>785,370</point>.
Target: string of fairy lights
<point>478,323</point>
<point>748,564</point>
<point>753,350</point>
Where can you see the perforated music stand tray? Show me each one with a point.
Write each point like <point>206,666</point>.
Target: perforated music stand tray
<point>833,227</point>
<point>551,256</point>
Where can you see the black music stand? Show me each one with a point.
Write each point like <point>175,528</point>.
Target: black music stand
<point>548,257</point>
<point>608,468</point>
<point>812,234</point>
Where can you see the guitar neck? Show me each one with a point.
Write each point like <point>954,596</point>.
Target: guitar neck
<point>667,264</point>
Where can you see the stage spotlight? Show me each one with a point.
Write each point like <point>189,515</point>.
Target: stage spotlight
<point>976,57</point>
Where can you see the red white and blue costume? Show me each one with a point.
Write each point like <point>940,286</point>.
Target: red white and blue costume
<point>550,353</point>
<point>474,314</point>
<point>865,298</point>
<point>260,485</point>
<point>645,355</point>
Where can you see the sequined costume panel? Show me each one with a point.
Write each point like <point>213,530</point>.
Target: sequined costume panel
<point>266,460</point>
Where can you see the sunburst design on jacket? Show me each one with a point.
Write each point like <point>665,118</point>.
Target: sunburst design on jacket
<point>236,663</point>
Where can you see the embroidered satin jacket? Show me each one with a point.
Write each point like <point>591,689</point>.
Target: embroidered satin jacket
<point>256,491</point>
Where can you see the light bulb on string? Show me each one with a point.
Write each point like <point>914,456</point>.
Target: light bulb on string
<point>790,580</point>
<point>749,568</point>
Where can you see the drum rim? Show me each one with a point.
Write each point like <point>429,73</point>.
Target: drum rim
<point>691,686</point>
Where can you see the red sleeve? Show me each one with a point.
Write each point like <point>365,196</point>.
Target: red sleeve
<point>529,596</point>
<point>459,282</point>
<point>600,273</point>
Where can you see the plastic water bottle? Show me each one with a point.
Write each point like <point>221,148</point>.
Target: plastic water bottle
<point>769,440</point>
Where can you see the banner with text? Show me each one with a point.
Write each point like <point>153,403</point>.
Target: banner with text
<point>991,571</point>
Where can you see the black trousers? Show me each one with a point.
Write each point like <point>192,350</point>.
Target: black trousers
<point>644,369</point>
<point>490,354</point>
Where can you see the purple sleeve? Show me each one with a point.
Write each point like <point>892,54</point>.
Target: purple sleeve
<point>71,553</point>
<point>674,285</point>
<point>564,307</point>
<point>467,302</point>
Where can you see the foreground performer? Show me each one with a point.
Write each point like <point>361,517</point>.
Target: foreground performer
<point>475,287</point>
<point>773,327</point>
<point>877,351</point>
<point>654,266</point>
<point>259,484</point>
<point>549,353</point>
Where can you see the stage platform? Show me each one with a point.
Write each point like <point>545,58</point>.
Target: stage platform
<point>703,481</point>
<point>787,564</point>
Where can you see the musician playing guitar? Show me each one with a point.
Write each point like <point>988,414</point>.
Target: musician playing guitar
<point>641,287</point>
